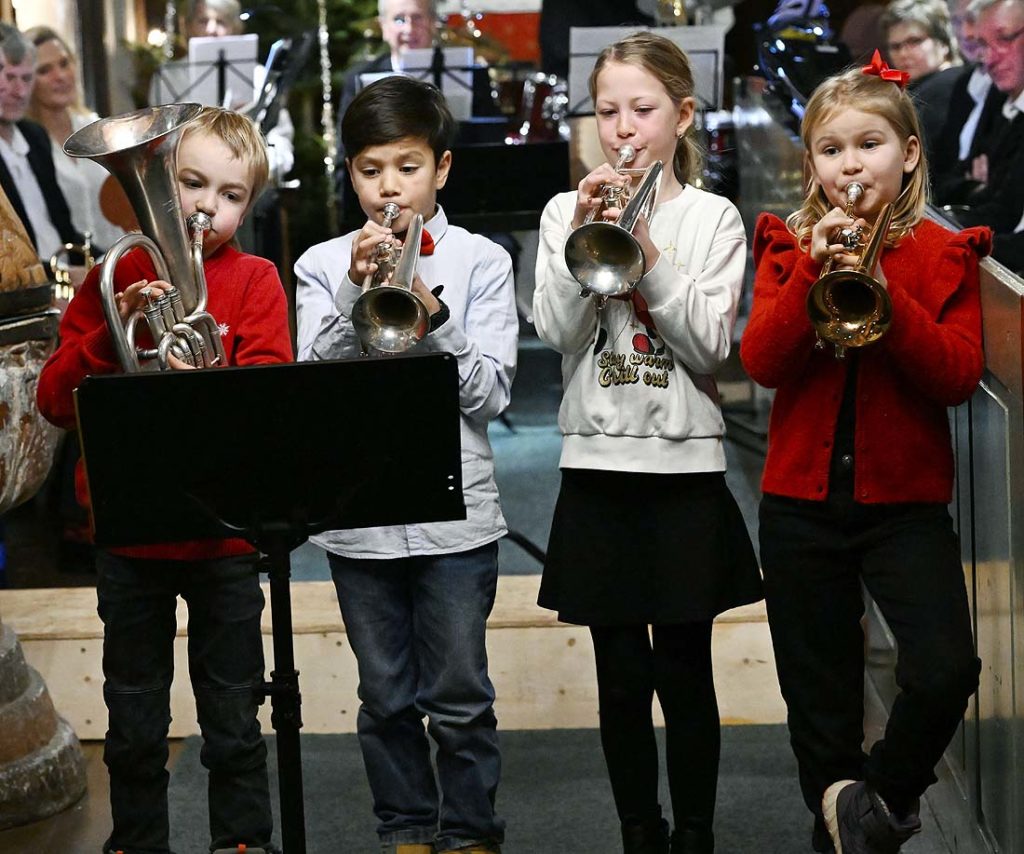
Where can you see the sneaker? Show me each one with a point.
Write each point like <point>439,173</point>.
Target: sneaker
<point>860,822</point>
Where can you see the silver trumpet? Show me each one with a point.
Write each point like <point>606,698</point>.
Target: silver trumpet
<point>139,149</point>
<point>604,257</point>
<point>388,317</point>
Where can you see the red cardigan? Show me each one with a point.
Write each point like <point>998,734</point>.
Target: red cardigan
<point>246,299</point>
<point>930,359</point>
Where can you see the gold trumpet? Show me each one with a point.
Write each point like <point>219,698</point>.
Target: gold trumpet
<point>604,257</point>
<point>388,317</point>
<point>850,308</point>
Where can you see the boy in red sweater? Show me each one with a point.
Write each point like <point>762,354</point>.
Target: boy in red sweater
<point>222,167</point>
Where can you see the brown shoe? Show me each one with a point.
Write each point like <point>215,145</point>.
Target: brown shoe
<point>414,848</point>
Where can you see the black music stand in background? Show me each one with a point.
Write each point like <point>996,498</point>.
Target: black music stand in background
<point>274,454</point>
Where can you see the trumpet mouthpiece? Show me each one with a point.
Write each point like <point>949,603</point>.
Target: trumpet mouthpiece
<point>853,192</point>
<point>201,221</point>
<point>626,154</point>
<point>390,212</point>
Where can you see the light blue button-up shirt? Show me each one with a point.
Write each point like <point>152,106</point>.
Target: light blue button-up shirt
<point>482,333</point>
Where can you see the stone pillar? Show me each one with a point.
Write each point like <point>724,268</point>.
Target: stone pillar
<point>42,769</point>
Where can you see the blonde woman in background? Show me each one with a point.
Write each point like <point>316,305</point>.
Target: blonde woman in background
<point>56,104</point>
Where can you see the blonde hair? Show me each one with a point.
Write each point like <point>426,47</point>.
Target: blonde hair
<point>243,139</point>
<point>667,63</point>
<point>855,90</point>
<point>40,36</point>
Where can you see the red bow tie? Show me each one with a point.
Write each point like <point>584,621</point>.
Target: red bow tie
<point>426,243</point>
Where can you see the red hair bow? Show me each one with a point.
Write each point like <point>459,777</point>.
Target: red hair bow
<point>878,68</point>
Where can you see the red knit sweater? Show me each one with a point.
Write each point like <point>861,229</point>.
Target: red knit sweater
<point>930,359</point>
<point>247,301</point>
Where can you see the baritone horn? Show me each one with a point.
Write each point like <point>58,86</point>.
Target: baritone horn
<point>604,257</point>
<point>139,149</point>
<point>388,317</point>
<point>850,308</point>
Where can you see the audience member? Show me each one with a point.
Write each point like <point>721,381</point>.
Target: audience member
<point>918,38</point>
<point>1000,203</point>
<point>973,105</point>
<point>27,172</point>
<point>56,105</point>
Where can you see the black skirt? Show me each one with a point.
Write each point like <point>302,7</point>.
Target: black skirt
<point>628,548</point>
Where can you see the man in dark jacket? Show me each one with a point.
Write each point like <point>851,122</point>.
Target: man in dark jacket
<point>27,173</point>
<point>1000,37</point>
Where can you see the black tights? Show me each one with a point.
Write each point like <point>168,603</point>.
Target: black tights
<point>678,666</point>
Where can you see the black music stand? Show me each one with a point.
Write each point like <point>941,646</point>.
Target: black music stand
<point>274,454</point>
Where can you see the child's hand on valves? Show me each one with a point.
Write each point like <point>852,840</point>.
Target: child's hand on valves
<point>133,298</point>
<point>589,195</point>
<point>364,250</point>
<point>825,239</point>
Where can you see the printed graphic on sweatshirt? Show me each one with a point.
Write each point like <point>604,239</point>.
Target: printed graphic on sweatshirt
<point>647,362</point>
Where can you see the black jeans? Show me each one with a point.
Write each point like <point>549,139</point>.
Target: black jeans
<point>814,557</point>
<point>137,601</point>
<point>630,669</point>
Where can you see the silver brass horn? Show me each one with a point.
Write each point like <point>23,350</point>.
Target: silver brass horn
<point>604,257</point>
<point>388,317</point>
<point>139,149</point>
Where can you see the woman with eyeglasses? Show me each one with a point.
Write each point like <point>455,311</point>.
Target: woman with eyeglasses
<point>918,38</point>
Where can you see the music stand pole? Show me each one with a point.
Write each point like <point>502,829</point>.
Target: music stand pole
<point>277,542</point>
<point>222,77</point>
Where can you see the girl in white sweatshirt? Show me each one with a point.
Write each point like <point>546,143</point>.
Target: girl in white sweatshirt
<point>646,532</point>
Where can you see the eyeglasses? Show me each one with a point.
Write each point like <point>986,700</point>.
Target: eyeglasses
<point>911,43</point>
<point>1003,41</point>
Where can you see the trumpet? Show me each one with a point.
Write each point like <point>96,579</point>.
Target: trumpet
<point>850,308</point>
<point>60,266</point>
<point>604,257</point>
<point>388,317</point>
<point>139,150</point>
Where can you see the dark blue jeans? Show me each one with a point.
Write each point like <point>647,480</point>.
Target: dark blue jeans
<point>137,601</point>
<point>416,626</point>
<point>815,556</point>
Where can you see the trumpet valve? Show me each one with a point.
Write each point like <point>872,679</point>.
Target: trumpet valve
<point>615,196</point>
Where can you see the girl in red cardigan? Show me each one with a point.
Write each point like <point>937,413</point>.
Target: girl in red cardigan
<point>860,470</point>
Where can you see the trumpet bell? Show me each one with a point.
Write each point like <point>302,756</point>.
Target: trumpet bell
<point>848,308</point>
<point>390,319</point>
<point>604,258</point>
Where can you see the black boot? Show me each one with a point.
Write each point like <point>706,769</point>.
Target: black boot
<point>693,839</point>
<point>649,837</point>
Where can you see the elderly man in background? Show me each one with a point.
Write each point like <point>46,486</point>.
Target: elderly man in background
<point>27,173</point>
<point>404,25</point>
<point>1000,204</point>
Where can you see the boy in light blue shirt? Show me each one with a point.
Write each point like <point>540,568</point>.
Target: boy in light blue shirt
<point>415,598</point>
